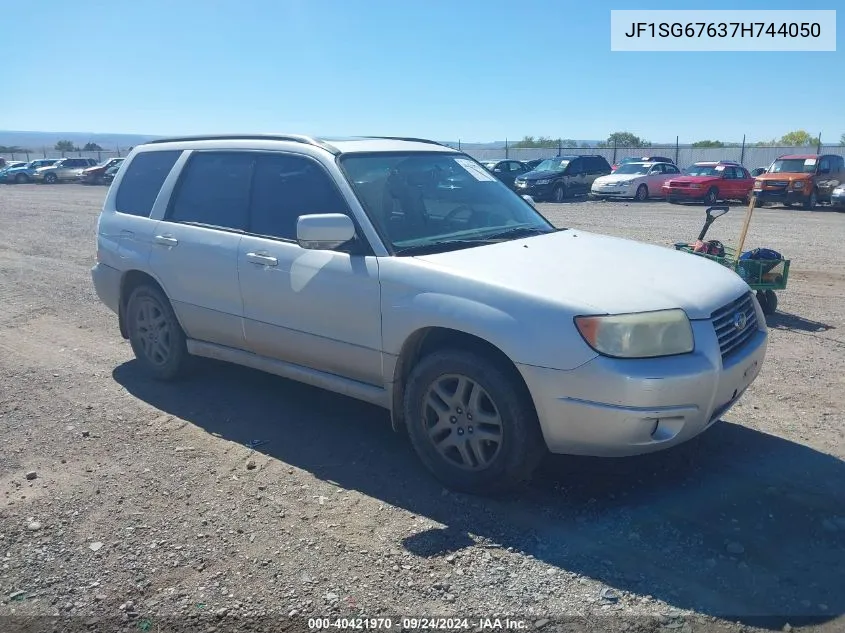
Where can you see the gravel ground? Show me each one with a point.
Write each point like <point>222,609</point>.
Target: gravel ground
<point>142,506</point>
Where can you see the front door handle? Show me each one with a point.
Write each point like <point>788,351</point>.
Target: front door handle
<point>262,258</point>
<point>165,240</point>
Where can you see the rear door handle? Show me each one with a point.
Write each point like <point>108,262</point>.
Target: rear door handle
<point>262,258</point>
<point>165,240</point>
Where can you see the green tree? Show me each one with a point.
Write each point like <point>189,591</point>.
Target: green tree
<point>12,149</point>
<point>65,146</point>
<point>798,138</point>
<point>708,143</point>
<point>842,140</point>
<point>530,141</point>
<point>92,147</point>
<point>624,139</point>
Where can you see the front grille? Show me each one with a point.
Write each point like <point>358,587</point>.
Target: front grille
<point>778,183</point>
<point>674,183</point>
<point>726,319</point>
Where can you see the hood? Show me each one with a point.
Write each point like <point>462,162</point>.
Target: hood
<point>599,273</point>
<point>618,178</point>
<point>784,175</point>
<point>539,175</point>
<point>696,179</point>
<point>45,168</point>
<point>94,168</point>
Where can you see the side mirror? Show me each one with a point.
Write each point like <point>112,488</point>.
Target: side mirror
<point>529,200</point>
<point>324,231</point>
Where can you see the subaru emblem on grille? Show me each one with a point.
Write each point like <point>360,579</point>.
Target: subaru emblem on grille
<point>740,320</point>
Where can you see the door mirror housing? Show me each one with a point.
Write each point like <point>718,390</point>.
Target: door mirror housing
<point>529,200</point>
<point>324,231</point>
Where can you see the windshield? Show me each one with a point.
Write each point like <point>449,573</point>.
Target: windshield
<point>437,200</point>
<point>632,168</point>
<point>552,164</point>
<point>793,166</point>
<point>704,170</point>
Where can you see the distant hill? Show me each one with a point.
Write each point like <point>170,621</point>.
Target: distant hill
<point>35,141</point>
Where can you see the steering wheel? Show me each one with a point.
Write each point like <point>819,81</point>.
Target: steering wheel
<point>449,218</point>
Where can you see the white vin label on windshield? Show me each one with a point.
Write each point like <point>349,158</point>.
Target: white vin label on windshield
<point>477,171</point>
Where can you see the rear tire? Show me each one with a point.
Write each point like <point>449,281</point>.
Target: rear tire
<point>155,334</point>
<point>451,399</point>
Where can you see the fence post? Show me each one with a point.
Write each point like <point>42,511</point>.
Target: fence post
<point>677,149</point>
<point>819,145</point>
<point>459,147</point>
<point>44,151</point>
<point>559,147</point>
<point>506,148</point>
<point>742,152</point>
<point>614,151</point>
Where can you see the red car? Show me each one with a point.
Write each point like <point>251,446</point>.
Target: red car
<point>710,182</point>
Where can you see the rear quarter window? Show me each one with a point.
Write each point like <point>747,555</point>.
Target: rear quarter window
<point>142,181</point>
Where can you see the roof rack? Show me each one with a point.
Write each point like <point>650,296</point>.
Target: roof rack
<point>410,139</point>
<point>296,138</point>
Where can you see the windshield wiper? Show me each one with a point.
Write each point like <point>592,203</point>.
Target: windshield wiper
<point>437,247</point>
<point>517,231</point>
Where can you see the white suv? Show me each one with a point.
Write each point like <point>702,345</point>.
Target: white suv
<point>403,273</point>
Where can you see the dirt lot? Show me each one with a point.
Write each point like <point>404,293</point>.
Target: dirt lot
<point>148,509</point>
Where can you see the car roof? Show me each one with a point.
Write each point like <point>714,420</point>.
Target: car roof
<point>335,145</point>
<point>801,156</point>
<point>713,163</point>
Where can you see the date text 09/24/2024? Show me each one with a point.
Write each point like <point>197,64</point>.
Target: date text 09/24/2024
<point>420,623</point>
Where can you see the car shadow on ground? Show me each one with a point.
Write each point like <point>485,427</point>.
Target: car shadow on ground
<point>736,524</point>
<point>795,323</point>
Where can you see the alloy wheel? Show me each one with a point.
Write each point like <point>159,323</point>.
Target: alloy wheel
<point>462,422</point>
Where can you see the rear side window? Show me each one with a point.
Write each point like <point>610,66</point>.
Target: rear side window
<point>214,190</point>
<point>142,181</point>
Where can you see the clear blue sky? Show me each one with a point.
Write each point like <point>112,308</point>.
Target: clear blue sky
<point>475,70</point>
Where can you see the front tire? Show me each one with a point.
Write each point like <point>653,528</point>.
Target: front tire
<point>712,196</point>
<point>642,194</point>
<point>51,179</point>
<point>157,339</point>
<point>471,424</point>
<point>810,203</point>
<point>21,179</point>
<point>559,193</point>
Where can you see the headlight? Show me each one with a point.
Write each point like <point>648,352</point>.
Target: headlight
<point>638,335</point>
<point>758,184</point>
<point>798,184</point>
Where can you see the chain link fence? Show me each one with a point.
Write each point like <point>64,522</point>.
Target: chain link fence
<point>751,156</point>
<point>30,154</point>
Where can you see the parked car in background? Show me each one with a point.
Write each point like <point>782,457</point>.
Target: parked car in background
<point>804,179</point>
<point>556,178</point>
<point>491,336</point>
<point>710,181</point>
<point>641,159</point>
<point>109,175</point>
<point>506,170</point>
<point>757,171</point>
<point>8,166</point>
<point>639,181</point>
<point>94,175</point>
<point>63,170</point>
<point>532,164</point>
<point>837,198</point>
<point>22,174</point>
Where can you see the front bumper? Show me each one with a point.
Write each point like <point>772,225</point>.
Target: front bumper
<point>837,200</point>
<point>538,192</point>
<point>614,408</point>
<point>107,285</point>
<point>612,191</point>
<point>686,193</point>
<point>779,195</point>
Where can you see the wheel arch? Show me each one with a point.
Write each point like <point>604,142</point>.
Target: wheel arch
<point>427,340</point>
